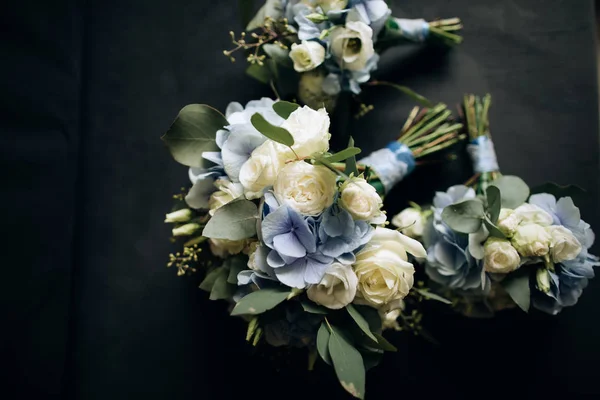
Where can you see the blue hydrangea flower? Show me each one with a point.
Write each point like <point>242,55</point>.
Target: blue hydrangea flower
<point>372,12</point>
<point>339,79</point>
<point>340,235</point>
<point>203,180</point>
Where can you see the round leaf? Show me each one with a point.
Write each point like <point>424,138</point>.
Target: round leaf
<point>275,133</point>
<point>494,200</point>
<point>465,217</point>
<point>513,189</point>
<point>260,301</point>
<point>233,221</point>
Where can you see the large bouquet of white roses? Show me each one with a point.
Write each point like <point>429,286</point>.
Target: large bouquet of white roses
<point>297,246</point>
<point>316,49</point>
<point>494,243</point>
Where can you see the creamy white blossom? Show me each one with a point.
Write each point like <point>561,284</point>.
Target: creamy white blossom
<point>337,289</point>
<point>310,130</point>
<point>307,56</point>
<point>183,215</point>
<point>411,222</point>
<point>500,256</point>
<point>223,247</point>
<point>361,200</point>
<point>564,245</point>
<point>226,193</point>
<point>508,221</point>
<point>261,170</point>
<point>186,230</point>
<point>352,45</point>
<point>308,189</point>
<point>531,240</point>
<point>384,274</point>
<point>332,5</point>
<point>532,214</point>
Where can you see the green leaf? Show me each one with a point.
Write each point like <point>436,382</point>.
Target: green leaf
<point>371,358</point>
<point>236,265</point>
<point>351,167</point>
<point>513,189</point>
<point>221,290</point>
<point>259,72</point>
<point>348,363</point>
<point>360,321</point>
<point>343,155</point>
<point>465,217</point>
<point>193,132</point>
<point>324,162</point>
<point>494,200</point>
<point>210,279</point>
<point>371,315</point>
<point>285,108</point>
<point>323,343</point>
<point>279,55</point>
<point>260,301</point>
<point>432,296</point>
<point>383,344</point>
<point>518,289</point>
<point>313,308</point>
<point>275,133</point>
<point>233,221</point>
<point>271,8</point>
<point>493,229</point>
<point>558,191</point>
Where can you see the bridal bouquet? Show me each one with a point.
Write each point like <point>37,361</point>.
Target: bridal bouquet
<point>295,245</point>
<point>494,243</point>
<point>318,48</point>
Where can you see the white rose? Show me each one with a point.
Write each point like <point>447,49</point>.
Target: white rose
<point>564,245</point>
<point>361,200</point>
<point>531,240</point>
<point>307,56</point>
<point>308,189</point>
<point>310,130</point>
<point>228,191</point>
<point>384,274</point>
<point>337,288</point>
<point>183,215</point>
<point>352,45</point>
<point>223,247</point>
<point>508,221</point>
<point>500,256</point>
<point>532,214</point>
<point>332,5</point>
<point>411,221</point>
<point>262,168</point>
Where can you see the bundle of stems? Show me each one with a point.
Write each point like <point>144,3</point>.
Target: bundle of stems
<point>475,112</point>
<point>445,29</point>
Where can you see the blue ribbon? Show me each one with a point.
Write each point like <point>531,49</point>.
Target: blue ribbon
<point>483,155</point>
<point>416,30</point>
<point>392,163</point>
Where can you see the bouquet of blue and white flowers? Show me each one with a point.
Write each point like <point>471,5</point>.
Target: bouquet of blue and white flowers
<point>297,246</point>
<point>316,49</point>
<point>494,243</point>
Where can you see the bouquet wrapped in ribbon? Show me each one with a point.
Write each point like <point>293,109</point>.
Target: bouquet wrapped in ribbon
<point>316,49</point>
<point>296,246</point>
<point>493,243</point>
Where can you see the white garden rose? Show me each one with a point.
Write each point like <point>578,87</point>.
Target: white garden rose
<point>337,288</point>
<point>352,45</point>
<point>262,168</point>
<point>384,274</point>
<point>508,221</point>
<point>500,256</point>
<point>310,130</point>
<point>307,56</point>
<point>411,221</point>
<point>228,191</point>
<point>532,214</point>
<point>223,247</point>
<point>332,5</point>
<point>531,240</point>
<point>564,245</point>
<point>308,189</point>
<point>361,200</point>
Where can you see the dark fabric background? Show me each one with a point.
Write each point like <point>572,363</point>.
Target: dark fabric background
<point>90,310</point>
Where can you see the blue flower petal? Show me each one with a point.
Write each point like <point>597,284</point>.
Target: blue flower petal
<point>289,245</point>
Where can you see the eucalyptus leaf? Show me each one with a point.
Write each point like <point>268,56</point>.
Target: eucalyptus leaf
<point>260,301</point>
<point>371,359</point>
<point>323,343</point>
<point>194,132</point>
<point>360,321</point>
<point>210,279</point>
<point>259,72</point>
<point>351,167</point>
<point>236,265</point>
<point>383,344</point>
<point>275,133</point>
<point>313,308</point>
<point>347,362</point>
<point>518,289</point>
<point>221,290</point>
<point>432,296</point>
<point>465,217</point>
<point>494,200</point>
<point>343,155</point>
<point>493,229</point>
<point>372,317</point>
<point>285,108</point>
<point>233,221</point>
<point>278,54</point>
<point>513,189</point>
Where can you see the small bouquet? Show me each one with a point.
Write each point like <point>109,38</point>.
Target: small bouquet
<point>296,246</point>
<point>494,243</point>
<point>319,48</point>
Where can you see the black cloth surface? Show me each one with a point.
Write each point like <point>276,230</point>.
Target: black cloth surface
<point>91,311</point>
